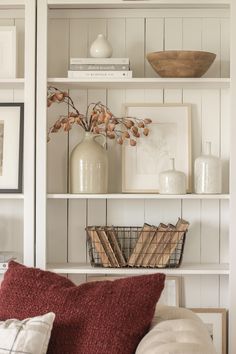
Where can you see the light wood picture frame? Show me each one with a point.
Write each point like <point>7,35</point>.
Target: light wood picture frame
<point>216,322</point>
<point>169,137</point>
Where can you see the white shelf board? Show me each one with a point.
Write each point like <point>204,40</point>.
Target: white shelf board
<point>12,4</point>
<point>11,83</point>
<point>11,196</point>
<point>191,269</point>
<point>137,196</point>
<point>137,83</point>
<point>139,3</point>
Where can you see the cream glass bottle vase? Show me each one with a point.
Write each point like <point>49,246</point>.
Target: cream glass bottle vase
<point>207,173</point>
<point>172,181</point>
<point>101,48</point>
<point>89,166</point>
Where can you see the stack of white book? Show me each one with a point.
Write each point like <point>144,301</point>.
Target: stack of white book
<point>99,68</point>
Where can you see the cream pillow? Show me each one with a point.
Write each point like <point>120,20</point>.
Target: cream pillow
<point>30,336</point>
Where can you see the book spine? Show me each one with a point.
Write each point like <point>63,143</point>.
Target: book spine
<point>97,67</point>
<point>99,74</point>
<point>99,61</point>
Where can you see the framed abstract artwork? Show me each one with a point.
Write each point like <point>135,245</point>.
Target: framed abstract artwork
<point>11,147</point>
<point>169,137</point>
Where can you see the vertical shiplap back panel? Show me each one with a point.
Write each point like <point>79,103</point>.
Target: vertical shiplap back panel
<point>57,231</point>
<point>154,41</point>
<point>191,211</point>
<point>225,48</point>
<point>125,212</point>
<point>135,45</point>
<point>225,138</point>
<point>78,38</point>
<point>211,43</point>
<point>20,33</point>
<point>58,47</point>
<point>76,231</point>
<point>173,33</point>
<point>192,34</point>
<point>11,226</point>
<point>57,154</point>
<point>211,119</point>
<point>224,231</point>
<point>210,231</point>
<point>115,102</point>
<point>165,211</point>
<point>116,36</point>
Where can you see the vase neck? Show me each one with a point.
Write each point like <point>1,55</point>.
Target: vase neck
<point>208,148</point>
<point>172,163</point>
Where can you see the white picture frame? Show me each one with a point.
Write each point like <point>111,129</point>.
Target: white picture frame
<point>8,58</point>
<point>216,322</point>
<point>11,147</point>
<point>169,137</point>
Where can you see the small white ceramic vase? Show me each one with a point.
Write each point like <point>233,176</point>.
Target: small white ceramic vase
<point>89,166</point>
<point>172,181</point>
<point>101,48</point>
<point>207,173</point>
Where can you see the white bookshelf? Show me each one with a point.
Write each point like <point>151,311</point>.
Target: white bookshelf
<point>62,217</point>
<point>140,196</point>
<point>191,269</point>
<point>17,210</point>
<point>146,83</point>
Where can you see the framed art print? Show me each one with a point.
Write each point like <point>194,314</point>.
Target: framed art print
<point>7,52</point>
<point>169,137</point>
<point>216,323</point>
<point>11,147</point>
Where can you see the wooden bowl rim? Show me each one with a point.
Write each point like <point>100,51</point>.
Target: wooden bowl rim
<point>212,55</point>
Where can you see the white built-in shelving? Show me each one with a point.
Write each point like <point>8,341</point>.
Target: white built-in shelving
<point>140,196</point>
<point>12,83</point>
<point>137,27</point>
<point>187,269</point>
<point>17,210</point>
<point>145,83</point>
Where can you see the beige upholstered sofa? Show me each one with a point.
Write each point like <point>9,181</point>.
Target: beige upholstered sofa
<point>176,331</point>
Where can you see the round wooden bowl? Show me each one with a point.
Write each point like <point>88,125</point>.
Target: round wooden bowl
<point>181,63</point>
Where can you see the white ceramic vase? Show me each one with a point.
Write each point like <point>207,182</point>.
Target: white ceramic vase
<point>207,173</point>
<point>101,48</point>
<point>89,166</point>
<point>172,181</point>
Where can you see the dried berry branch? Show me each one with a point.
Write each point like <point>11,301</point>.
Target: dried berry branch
<point>98,119</point>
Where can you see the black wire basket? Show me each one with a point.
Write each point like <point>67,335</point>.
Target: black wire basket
<point>129,246</point>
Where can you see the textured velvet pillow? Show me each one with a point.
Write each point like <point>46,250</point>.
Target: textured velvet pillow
<point>93,318</point>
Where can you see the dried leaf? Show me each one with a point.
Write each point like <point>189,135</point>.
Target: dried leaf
<point>120,141</point>
<point>147,121</point>
<point>145,131</point>
<point>132,142</point>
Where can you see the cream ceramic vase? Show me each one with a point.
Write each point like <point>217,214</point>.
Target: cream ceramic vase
<point>101,48</point>
<point>207,173</point>
<point>172,181</point>
<point>89,166</point>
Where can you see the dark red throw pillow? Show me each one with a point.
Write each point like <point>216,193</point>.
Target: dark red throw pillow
<point>104,317</point>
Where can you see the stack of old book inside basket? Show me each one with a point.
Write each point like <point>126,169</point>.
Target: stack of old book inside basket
<point>148,246</point>
<point>99,68</point>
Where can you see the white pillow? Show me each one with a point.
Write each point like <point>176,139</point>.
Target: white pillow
<point>30,336</point>
<point>179,336</point>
